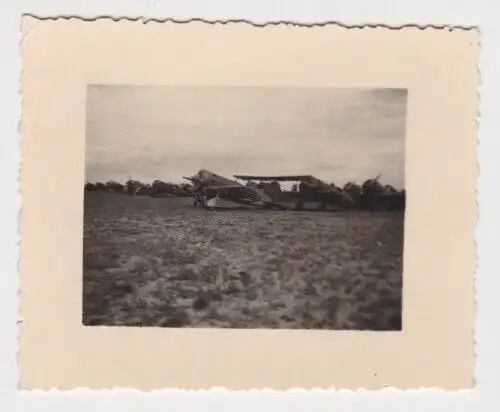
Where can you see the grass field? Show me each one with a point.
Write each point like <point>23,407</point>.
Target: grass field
<point>160,262</point>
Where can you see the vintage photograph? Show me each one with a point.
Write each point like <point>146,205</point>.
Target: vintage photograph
<point>244,207</point>
<point>229,202</point>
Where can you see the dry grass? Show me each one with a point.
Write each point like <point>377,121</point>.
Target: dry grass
<point>159,262</point>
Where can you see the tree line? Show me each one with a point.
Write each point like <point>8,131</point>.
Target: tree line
<point>136,187</point>
<point>369,194</point>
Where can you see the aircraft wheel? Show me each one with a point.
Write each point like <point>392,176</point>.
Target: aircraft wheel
<point>200,203</point>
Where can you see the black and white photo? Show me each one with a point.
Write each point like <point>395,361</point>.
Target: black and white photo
<point>244,207</point>
<point>225,205</point>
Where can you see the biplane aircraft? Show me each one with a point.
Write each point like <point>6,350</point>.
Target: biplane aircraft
<point>311,189</point>
<point>209,187</point>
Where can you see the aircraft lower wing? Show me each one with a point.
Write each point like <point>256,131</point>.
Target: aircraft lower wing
<point>274,178</point>
<point>238,193</point>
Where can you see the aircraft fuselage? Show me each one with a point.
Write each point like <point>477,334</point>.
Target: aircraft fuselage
<point>209,185</point>
<point>205,178</point>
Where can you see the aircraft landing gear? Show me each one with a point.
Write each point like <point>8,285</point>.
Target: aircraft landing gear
<point>200,202</point>
<point>299,205</point>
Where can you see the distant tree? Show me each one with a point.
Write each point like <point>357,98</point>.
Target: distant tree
<point>377,196</point>
<point>389,189</point>
<point>144,189</point>
<point>89,186</point>
<point>133,186</point>
<point>174,190</point>
<point>186,189</point>
<point>100,186</point>
<point>160,188</point>
<point>373,187</point>
<point>354,190</point>
<point>115,187</point>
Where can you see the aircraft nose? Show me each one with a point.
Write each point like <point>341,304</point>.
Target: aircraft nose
<point>196,180</point>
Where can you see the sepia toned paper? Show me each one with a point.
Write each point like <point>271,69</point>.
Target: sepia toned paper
<point>438,68</point>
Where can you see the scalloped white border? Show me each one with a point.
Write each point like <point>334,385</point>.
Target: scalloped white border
<point>453,13</point>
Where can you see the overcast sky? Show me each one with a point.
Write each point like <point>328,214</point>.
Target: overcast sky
<point>157,132</point>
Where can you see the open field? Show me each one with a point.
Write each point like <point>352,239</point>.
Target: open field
<point>160,262</point>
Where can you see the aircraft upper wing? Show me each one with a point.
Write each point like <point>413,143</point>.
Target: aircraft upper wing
<point>276,178</point>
